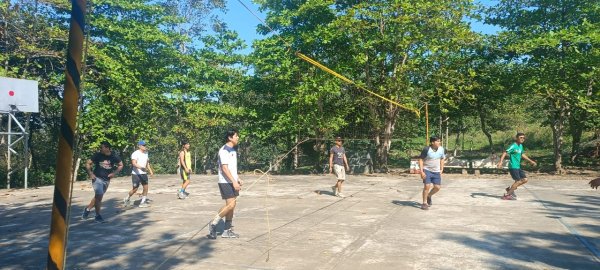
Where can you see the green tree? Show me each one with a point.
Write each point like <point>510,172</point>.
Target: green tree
<point>557,42</point>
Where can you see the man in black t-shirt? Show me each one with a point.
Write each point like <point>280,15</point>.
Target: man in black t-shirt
<point>104,163</point>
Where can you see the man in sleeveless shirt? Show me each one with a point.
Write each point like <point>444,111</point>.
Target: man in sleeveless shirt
<point>185,169</point>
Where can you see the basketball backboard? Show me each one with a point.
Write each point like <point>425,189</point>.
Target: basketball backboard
<point>18,94</point>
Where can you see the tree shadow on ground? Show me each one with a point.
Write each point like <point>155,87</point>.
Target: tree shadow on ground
<point>519,250</point>
<point>581,206</point>
<point>25,229</point>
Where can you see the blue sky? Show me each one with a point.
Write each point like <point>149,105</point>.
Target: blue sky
<point>244,23</point>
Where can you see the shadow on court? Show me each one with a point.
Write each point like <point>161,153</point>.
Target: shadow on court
<point>414,204</point>
<point>512,249</point>
<point>25,227</point>
<point>483,194</point>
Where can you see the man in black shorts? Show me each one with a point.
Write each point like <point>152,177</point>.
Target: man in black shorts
<point>140,165</point>
<point>230,185</point>
<point>515,152</point>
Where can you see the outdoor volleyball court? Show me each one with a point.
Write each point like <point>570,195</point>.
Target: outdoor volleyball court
<point>295,222</point>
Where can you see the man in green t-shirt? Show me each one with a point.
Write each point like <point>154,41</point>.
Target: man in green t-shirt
<point>515,152</point>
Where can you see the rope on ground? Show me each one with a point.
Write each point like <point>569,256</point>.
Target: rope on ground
<point>278,161</point>
<point>330,71</point>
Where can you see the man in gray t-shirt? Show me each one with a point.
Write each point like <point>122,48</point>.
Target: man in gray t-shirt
<point>337,163</point>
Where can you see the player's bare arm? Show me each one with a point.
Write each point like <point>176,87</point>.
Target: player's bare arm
<point>229,176</point>
<point>528,159</point>
<point>330,163</point>
<point>346,162</point>
<point>501,160</point>
<point>421,167</point>
<point>88,167</point>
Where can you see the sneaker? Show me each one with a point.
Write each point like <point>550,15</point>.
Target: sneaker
<point>126,201</point>
<point>340,195</point>
<point>424,206</point>
<point>86,213</point>
<point>429,202</point>
<point>181,195</point>
<point>229,234</point>
<point>144,204</point>
<point>508,197</point>
<point>212,231</point>
<point>99,219</point>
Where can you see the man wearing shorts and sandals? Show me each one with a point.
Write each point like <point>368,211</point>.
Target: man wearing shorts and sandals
<point>139,165</point>
<point>515,152</point>
<point>431,162</point>
<point>185,169</point>
<point>104,163</point>
<point>229,185</point>
<point>338,163</point>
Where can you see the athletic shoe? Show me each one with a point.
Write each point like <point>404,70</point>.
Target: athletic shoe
<point>429,201</point>
<point>99,219</point>
<point>181,195</point>
<point>424,206</point>
<point>86,213</point>
<point>508,197</point>
<point>144,204</point>
<point>229,234</point>
<point>126,201</point>
<point>212,231</point>
<point>340,195</point>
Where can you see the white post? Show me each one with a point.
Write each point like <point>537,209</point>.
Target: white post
<point>8,151</point>
<point>26,152</point>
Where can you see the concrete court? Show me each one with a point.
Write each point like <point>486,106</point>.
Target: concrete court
<point>555,224</point>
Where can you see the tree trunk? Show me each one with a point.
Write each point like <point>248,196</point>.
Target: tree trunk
<point>485,129</point>
<point>576,129</point>
<point>385,141</point>
<point>296,154</point>
<point>456,143</point>
<point>558,125</point>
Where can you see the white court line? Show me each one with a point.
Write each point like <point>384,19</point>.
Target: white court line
<point>572,230</point>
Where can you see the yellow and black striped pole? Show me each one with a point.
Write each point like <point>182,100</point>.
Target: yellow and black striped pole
<point>64,165</point>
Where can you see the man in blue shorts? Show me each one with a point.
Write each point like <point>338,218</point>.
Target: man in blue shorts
<point>431,162</point>
<point>515,152</point>
<point>104,163</point>
<point>230,185</point>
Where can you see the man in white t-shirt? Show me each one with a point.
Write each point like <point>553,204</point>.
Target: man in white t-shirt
<point>139,165</point>
<point>230,185</point>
